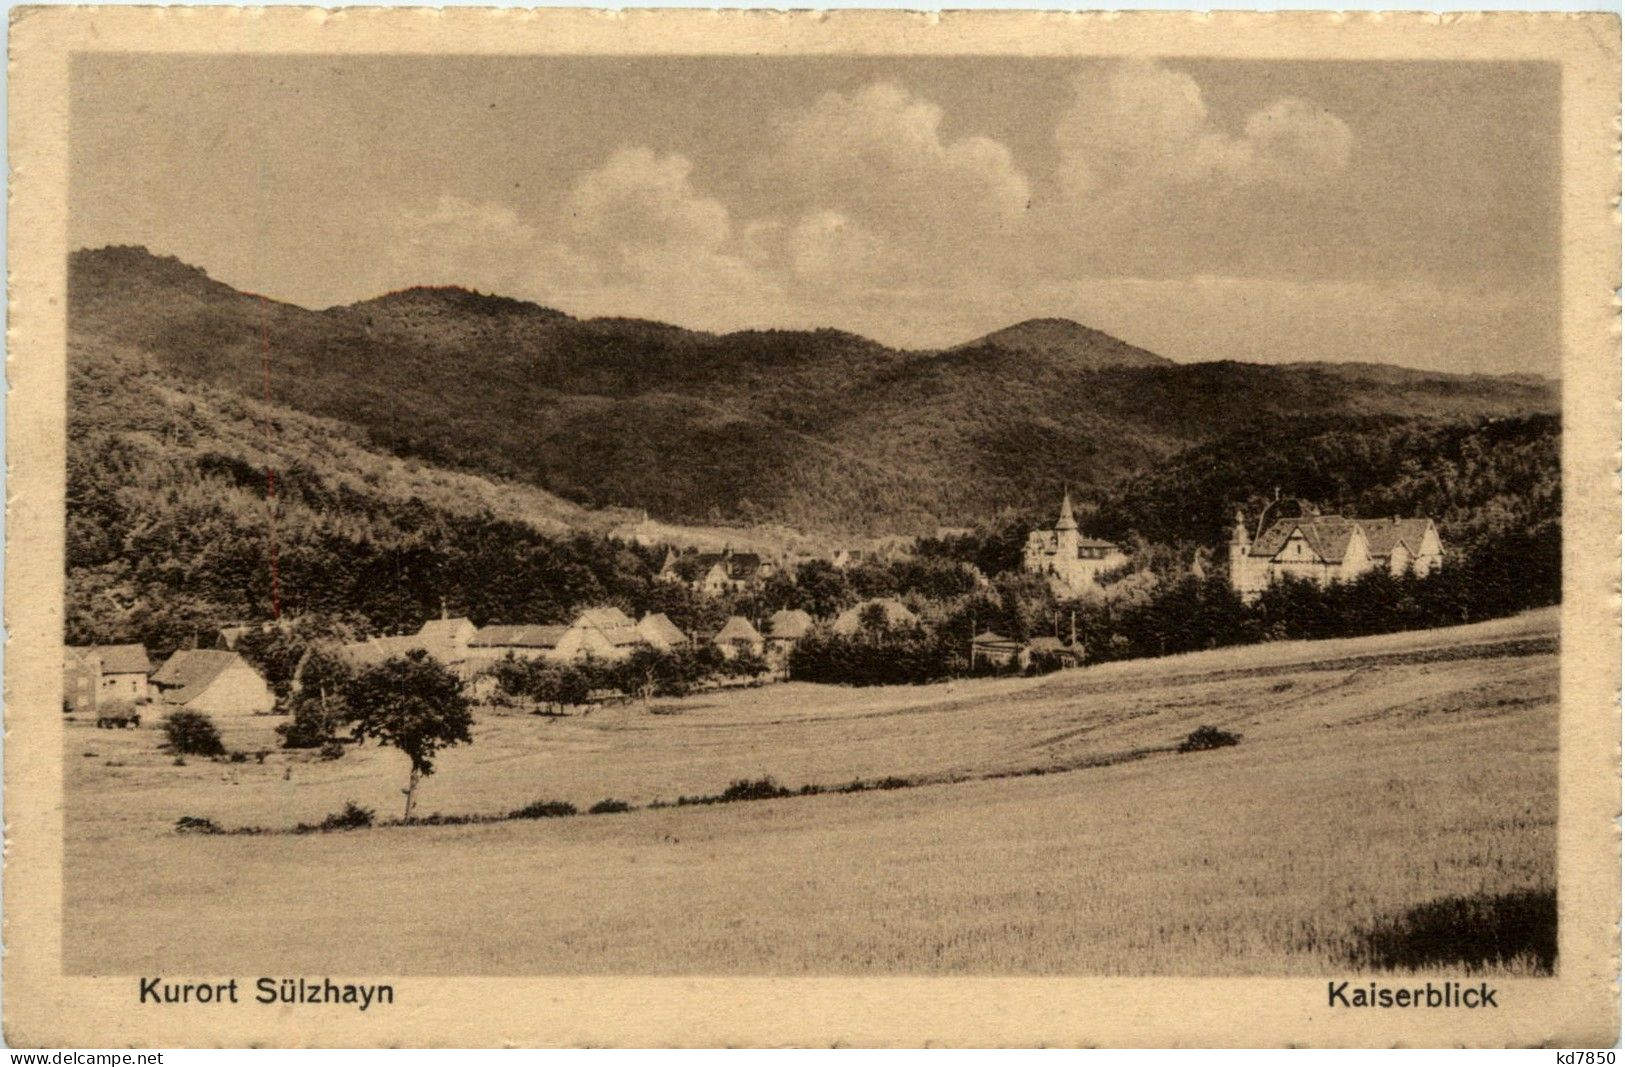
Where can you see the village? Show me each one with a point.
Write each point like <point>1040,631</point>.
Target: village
<point>1289,541</point>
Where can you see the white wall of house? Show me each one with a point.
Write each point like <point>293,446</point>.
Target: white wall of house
<point>130,688</point>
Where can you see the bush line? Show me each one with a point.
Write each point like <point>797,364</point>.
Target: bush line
<point>355,817</point>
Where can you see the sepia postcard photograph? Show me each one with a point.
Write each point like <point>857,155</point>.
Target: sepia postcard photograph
<point>684,528</point>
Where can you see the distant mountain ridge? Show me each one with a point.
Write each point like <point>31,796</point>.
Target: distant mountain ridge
<point>1087,348</point>
<point>820,429</point>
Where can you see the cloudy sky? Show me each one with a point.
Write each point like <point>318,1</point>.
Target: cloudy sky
<point>1265,211</point>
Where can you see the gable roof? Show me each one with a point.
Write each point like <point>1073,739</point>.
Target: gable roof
<point>612,623</point>
<point>791,624</point>
<point>446,629</point>
<point>116,659</point>
<point>190,671</point>
<point>658,628</point>
<point>230,635</point>
<point>1048,644</point>
<point>1383,534</point>
<point>375,650</point>
<point>1328,536</point>
<point>738,628</point>
<point>446,639</point>
<point>517,637</point>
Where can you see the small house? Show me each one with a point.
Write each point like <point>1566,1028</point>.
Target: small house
<point>738,636</point>
<point>213,681</point>
<point>94,675</point>
<point>785,629</point>
<point>660,632</point>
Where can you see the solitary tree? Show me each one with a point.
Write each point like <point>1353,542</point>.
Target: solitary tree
<point>414,704</point>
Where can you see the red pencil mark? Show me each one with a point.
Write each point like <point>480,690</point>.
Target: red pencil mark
<point>270,472</point>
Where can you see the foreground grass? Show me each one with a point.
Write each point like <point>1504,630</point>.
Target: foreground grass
<point>1369,805</point>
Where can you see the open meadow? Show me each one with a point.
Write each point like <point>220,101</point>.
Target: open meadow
<point>1049,826</point>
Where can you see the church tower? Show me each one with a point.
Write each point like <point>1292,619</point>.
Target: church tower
<point>1066,537</point>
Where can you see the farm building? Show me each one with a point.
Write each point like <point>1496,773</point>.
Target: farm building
<point>213,681</point>
<point>1327,548</point>
<point>660,632</point>
<point>446,640</point>
<point>491,643</point>
<point>738,636</point>
<point>1072,562</point>
<point>996,649</point>
<point>94,675</point>
<point>605,633</point>
<point>784,629</point>
<point>896,614</point>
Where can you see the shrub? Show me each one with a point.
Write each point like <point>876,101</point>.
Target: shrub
<point>196,824</point>
<point>238,756</point>
<point>609,806</point>
<point>1206,737</point>
<point>260,754</point>
<point>332,750</point>
<point>192,733</point>
<point>180,761</point>
<point>352,817</point>
<point>759,789</point>
<point>543,809</point>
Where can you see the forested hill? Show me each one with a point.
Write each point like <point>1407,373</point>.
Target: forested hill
<point>821,429</point>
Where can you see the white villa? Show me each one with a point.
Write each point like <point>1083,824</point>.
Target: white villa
<point>1073,562</point>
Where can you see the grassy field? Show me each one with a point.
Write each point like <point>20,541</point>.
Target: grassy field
<point>1382,785</point>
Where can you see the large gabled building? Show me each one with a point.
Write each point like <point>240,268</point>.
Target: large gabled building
<point>1329,548</point>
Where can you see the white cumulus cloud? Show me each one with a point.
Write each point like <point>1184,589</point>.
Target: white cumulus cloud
<point>1138,123</point>
<point>878,159</point>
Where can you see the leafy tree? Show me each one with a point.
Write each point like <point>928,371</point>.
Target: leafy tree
<point>414,704</point>
<point>192,733</point>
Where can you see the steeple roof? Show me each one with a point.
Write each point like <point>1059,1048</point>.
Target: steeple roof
<point>1066,521</point>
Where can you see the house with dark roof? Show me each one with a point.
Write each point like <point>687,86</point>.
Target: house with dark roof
<point>95,675</point>
<point>730,572</point>
<point>1328,548</point>
<point>214,681</point>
